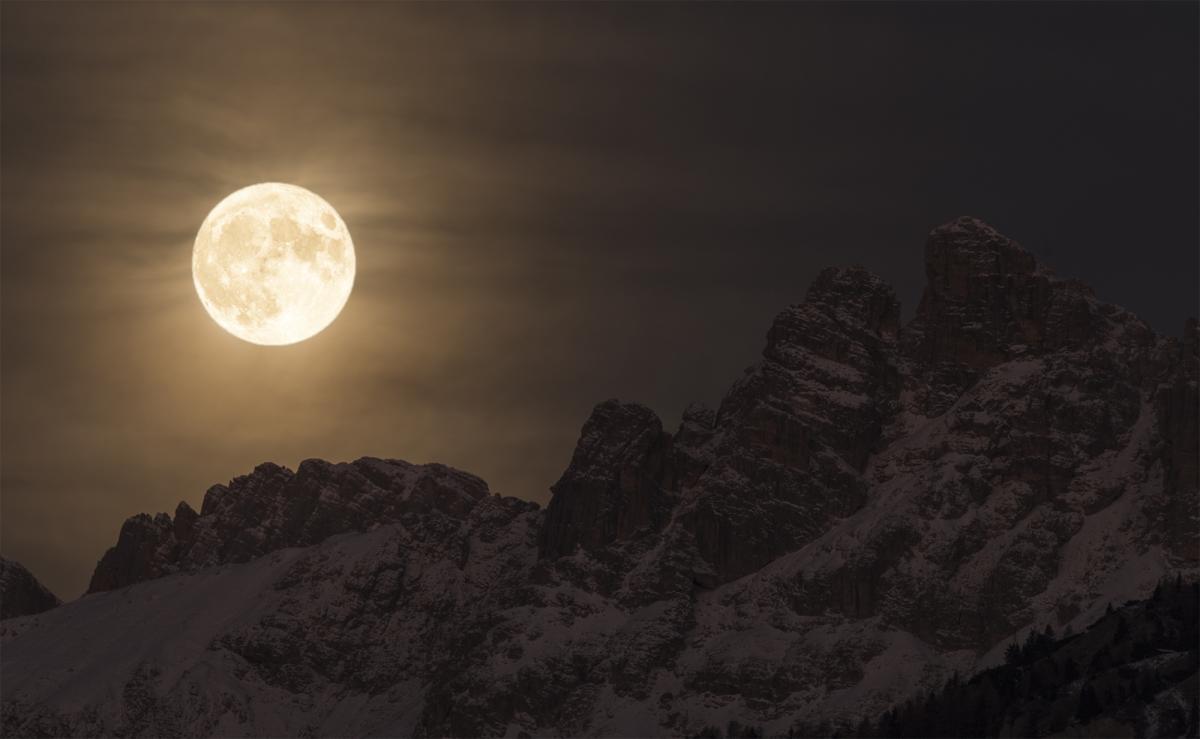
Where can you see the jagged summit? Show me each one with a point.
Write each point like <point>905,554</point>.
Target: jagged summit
<point>856,297</point>
<point>613,487</point>
<point>991,251</point>
<point>273,507</point>
<point>871,508</point>
<point>987,299</point>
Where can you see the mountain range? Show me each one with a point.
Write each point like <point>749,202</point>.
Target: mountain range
<point>874,507</point>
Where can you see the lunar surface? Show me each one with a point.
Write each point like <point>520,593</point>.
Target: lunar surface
<point>273,264</point>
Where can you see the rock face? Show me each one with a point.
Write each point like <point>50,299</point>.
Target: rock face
<point>789,442</point>
<point>986,302</point>
<point>20,592</point>
<point>871,508</point>
<point>615,487</point>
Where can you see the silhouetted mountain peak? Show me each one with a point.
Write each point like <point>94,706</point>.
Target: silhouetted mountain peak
<point>969,245</point>
<point>857,298</point>
<point>20,592</point>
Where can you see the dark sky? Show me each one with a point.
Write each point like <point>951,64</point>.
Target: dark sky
<point>551,205</point>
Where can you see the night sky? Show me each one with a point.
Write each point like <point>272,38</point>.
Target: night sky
<point>551,205</point>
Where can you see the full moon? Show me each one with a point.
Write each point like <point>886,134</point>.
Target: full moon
<point>273,264</point>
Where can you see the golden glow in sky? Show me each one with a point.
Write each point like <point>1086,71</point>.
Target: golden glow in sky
<point>273,264</point>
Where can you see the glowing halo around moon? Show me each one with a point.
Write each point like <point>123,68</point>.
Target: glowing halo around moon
<point>273,264</point>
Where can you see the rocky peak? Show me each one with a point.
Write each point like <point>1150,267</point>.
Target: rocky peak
<point>782,458</point>
<point>266,476</point>
<point>846,316</point>
<point>986,301</point>
<point>983,293</point>
<point>146,548</point>
<point>799,423</point>
<point>787,453</point>
<point>959,251</point>
<point>616,484</point>
<point>857,298</point>
<point>20,592</point>
<point>185,521</point>
<point>828,379</point>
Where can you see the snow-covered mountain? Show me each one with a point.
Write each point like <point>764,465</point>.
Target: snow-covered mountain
<point>871,508</point>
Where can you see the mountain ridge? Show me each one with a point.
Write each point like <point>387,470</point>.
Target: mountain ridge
<point>870,508</point>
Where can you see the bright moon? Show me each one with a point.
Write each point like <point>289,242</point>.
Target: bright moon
<point>273,264</point>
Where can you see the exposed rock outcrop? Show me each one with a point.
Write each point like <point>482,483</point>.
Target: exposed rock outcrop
<point>988,301</point>
<point>616,485</point>
<point>791,437</point>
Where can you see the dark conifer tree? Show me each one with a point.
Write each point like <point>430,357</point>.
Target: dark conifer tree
<point>1193,731</point>
<point>1122,631</point>
<point>1070,670</point>
<point>1012,655</point>
<point>865,729</point>
<point>1089,705</point>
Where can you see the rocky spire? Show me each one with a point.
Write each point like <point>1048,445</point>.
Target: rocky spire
<point>616,485</point>
<point>986,301</point>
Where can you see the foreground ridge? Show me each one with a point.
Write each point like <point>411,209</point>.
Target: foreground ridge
<point>872,508</point>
